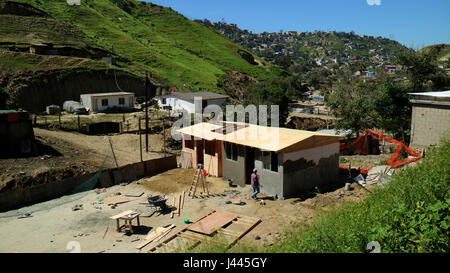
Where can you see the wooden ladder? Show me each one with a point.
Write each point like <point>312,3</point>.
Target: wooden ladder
<point>198,175</point>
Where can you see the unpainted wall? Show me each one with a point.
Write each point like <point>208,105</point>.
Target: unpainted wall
<point>234,170</point>
<point>271,183</point>
<point>307,169</point>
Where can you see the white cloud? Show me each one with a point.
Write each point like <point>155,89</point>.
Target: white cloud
<point>374,2</point>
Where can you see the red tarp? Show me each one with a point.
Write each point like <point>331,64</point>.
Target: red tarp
<point>396,160</point>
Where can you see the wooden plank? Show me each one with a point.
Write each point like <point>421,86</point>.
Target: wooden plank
<point>212,222</point>
<point>120,215</point>
<point>230,233</point>
<point>179,204</point>
<point>166,241</point>
<point>182,199</point>
<point>173,205</point>
<point>245,232</point>
<point>195,237</point>
<point>155,235</point>
<point>187,236</point>
<point>116,200</point>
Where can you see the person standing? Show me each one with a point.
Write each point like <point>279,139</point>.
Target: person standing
<point>255,183</point>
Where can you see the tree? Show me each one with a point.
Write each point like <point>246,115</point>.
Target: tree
<point>422,67</point>
<point>284,61</point>
<point>352,102</point>
<point>393,107</point>
<point>273,91</point>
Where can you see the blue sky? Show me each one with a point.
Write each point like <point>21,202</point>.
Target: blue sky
<point>414,23</point>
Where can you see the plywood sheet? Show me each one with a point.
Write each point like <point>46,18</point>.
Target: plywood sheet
<point>212,222</point>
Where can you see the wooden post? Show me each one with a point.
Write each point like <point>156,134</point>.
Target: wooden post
<point>164,136</point>
<point>114,155</point>
<point>59,119</point>
<point>140,139</point>
<point>35,120</point>
<point>79,125</point>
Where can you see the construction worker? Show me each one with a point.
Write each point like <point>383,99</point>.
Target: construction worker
<point>255,183</point>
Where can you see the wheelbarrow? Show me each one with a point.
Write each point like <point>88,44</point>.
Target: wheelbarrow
<point>157,203</point>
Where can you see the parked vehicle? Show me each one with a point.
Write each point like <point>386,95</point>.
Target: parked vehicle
<point>75,107</point>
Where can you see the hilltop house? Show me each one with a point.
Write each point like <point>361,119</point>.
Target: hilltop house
<point>179,101</point>
<point>100,102</point>
<point>288,161</point>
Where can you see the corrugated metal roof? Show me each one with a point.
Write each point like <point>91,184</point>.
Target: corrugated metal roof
<point>440,94</point>
<point>108,94</point>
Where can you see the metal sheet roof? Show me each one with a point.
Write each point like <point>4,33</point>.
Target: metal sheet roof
<point>440,94</point>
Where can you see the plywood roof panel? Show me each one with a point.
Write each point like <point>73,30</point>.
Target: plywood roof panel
<point>261,137</point>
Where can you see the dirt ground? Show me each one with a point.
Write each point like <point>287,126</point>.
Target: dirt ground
<point>364,161</point>
<point>54,227</point>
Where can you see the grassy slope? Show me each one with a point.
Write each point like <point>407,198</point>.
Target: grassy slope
<point>156,39</point>
<point>349,229</point>
<point>443,50</point>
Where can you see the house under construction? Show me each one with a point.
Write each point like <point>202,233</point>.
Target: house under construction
<point>288,161</point>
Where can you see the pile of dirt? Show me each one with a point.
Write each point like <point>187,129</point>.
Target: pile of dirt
<point>178,180</point>
<point>22,180</point>
<point>327,200</point>
<point>169,182</point>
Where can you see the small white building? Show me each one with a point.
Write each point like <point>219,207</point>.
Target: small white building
<point>99,102</point>
<point>179,101</point>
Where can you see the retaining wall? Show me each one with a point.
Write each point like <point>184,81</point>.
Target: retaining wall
<point>40,193</point>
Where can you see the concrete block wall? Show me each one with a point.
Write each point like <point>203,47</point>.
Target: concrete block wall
<point>429,124</point>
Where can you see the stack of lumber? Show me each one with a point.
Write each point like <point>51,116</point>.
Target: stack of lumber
<point>155,235</point>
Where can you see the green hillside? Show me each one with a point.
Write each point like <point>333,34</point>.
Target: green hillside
<point>142,36</point>
<point>442,50</point>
